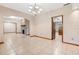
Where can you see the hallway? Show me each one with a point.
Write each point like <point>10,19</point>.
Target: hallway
<point>19,44</point>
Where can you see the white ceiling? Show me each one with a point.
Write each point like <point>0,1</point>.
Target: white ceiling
<point>23,7</point>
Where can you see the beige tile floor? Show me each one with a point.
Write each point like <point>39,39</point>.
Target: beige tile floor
<point>18,44</point>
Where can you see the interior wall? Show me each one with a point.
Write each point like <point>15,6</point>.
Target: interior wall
<point>71,24</point>
<point>1,29</point>
<point>18,27</point>
<point>27,26</point>
<point>33,26</point>
<point>43,23</point>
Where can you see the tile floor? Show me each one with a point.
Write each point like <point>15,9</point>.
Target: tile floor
<point>19,44</point>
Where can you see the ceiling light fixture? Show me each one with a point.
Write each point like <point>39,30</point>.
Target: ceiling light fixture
<point>34,9</point>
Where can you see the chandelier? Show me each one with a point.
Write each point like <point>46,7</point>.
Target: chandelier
<point>34,9</point>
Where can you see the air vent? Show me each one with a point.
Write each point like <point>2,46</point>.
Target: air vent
<point>67,4</point>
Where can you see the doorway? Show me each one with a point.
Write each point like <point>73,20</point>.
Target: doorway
<point>57,27</point>
<point>25,29</point>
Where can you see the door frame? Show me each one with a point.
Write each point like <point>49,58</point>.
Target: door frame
<point>52,26</point>
<point>12,23</point>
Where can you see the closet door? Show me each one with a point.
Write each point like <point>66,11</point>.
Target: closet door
<point>9,28</point>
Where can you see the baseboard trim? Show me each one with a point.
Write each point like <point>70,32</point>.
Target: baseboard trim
<point>51,39</point>
<point>19,33</point>
<point>71,43</point>
<point>32,35</point>
<point>40,37</point>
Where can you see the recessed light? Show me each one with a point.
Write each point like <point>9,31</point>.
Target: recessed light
<point>30,7</point>
<point>36,7</point>
<point>12,16</point>
<point>40,9</point>
<point>29,10</point>
<point>34,12</point>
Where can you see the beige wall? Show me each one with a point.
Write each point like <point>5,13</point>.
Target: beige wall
<point>33,26</point>
<point>1,29</point>
<point>43,23</point>
<point>19,27</point>
<point>71,24</point>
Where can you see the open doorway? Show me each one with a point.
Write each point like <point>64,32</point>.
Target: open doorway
<point>57,27</point>
<point>25,29</point>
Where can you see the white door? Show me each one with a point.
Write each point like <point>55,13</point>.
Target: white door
<point>9,27</point>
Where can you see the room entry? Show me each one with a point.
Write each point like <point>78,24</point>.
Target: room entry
<point>57,27</point>
<point>24,28</point>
